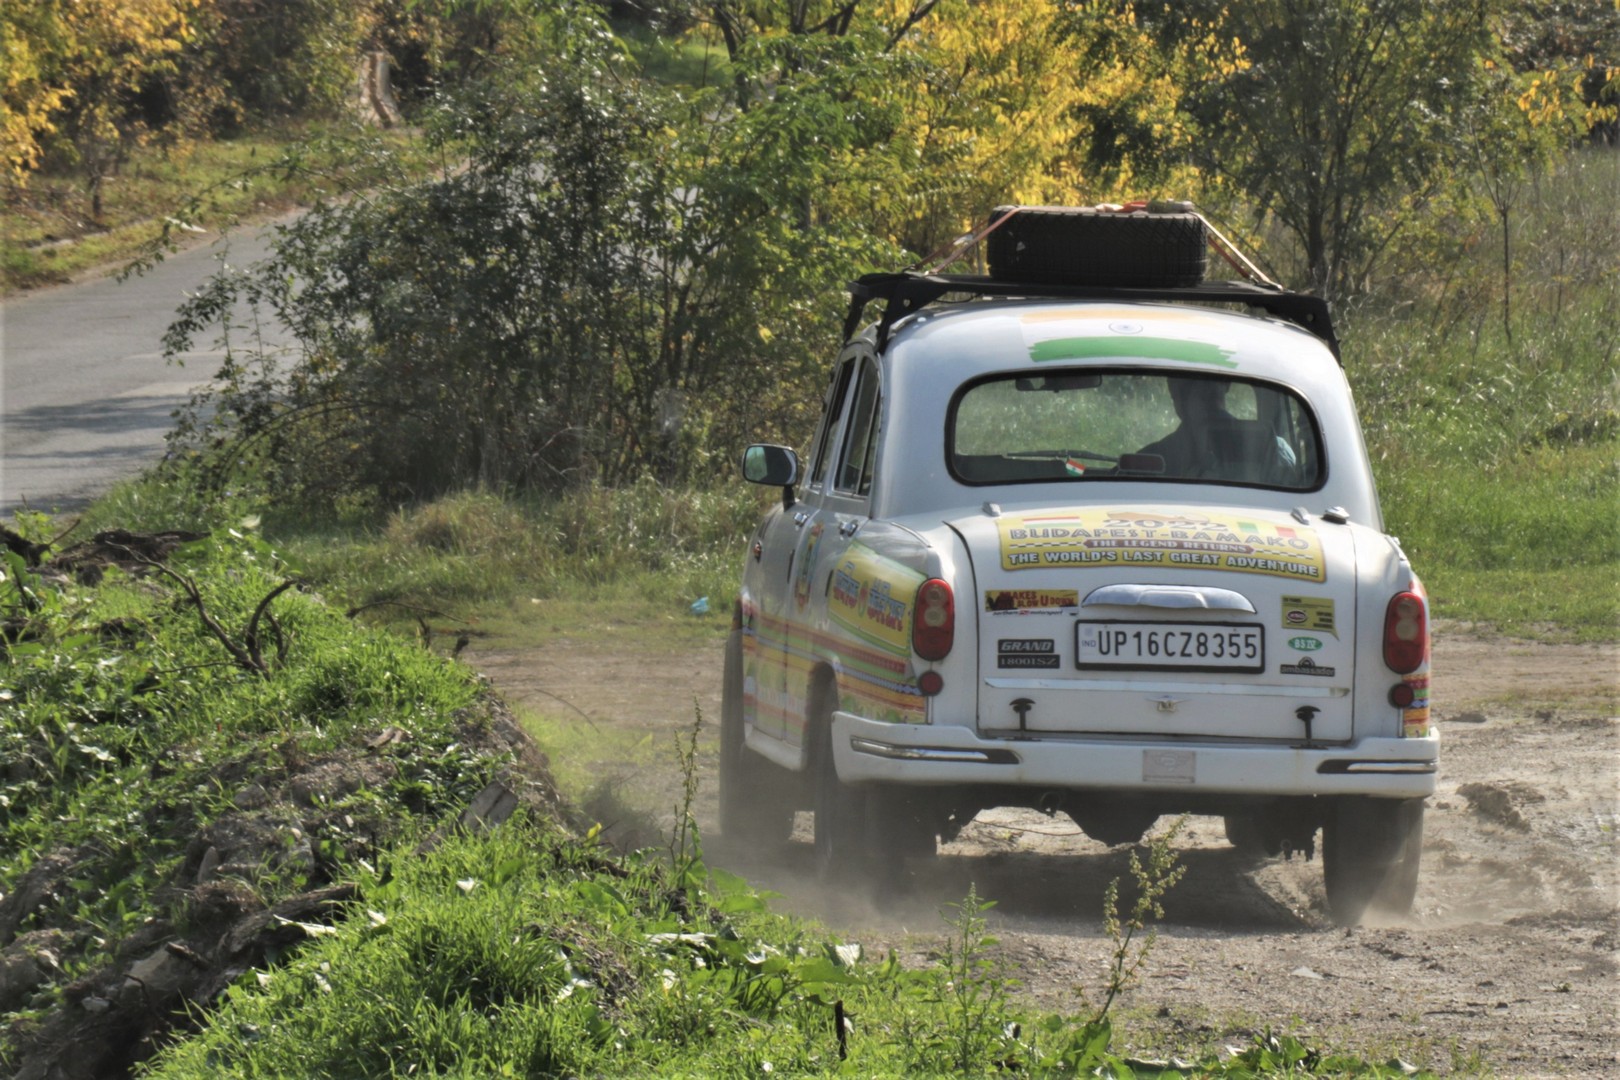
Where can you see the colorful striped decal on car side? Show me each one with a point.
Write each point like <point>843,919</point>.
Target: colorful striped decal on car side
<point>872,683</point>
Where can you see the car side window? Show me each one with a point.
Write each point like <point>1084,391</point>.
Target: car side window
<point>833,408</point>
<point>860,436</point>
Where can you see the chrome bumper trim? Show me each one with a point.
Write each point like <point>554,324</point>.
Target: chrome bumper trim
<point>932,753</point>
<point>1418,767</point>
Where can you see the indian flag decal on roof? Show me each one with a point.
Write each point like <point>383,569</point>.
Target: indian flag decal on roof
<point>1248,544</point>
<point>1152,348</point>
<point>1100,333</point>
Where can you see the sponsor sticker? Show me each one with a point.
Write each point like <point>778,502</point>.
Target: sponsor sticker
<point>1026,645</point>
<point>1249,543</point>
<point>1026,653</point>
<point>1307,666</point>
<point>871,596</point>
<point>1415,717</point>
<point>1305,644</point>
<point>1027,662</point>
<point>997,600</point>
<point>1313,613</point>
<point>807,563</point>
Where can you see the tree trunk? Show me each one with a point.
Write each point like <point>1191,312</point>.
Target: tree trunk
<point>1507,280</point>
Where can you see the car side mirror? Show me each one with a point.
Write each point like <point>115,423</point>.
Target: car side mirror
<point>764,463</point>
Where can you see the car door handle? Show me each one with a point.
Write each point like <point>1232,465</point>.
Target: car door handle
<point>799,519</point>
<point>848,528</point>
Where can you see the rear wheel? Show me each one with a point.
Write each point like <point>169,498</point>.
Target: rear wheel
<point>1370,854</point>
<point>901,826</point>
<point>751,812</point>
<point>841,849</point>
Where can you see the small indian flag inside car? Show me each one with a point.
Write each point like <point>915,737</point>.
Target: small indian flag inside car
<point>1074,467</point>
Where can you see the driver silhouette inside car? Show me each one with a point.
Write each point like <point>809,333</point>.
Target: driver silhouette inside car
<point>1212,444</point>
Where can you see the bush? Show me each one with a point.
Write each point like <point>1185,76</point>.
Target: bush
<point>614,283</point>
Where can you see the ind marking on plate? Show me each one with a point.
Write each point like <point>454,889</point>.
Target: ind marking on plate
<point>1169,766</point>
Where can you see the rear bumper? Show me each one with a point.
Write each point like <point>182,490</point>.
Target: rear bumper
<point>868,751</point>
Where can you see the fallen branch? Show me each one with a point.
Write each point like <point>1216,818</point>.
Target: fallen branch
<point>246,655</point>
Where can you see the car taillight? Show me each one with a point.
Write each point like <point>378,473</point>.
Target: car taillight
<point>1406,633</point>
<point>933,630</point>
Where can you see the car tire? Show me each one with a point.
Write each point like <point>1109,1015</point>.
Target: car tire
<point>1370,854</point>
<point>900,827</point>
<point>1068,245</point>
<point>841,848</point>
<point>753,810</point>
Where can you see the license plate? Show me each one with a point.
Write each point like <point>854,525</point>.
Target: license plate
<point>1173,646</point>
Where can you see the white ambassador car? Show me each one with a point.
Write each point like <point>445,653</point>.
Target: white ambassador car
<point>1105,550</point>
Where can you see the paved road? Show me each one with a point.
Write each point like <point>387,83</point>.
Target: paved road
<point>85,395</point>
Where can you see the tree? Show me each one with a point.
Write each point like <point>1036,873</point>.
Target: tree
<point>1338,117</point>
<point>1516,124</point>
<point>614,280</point>
<point>81,68</point>
<point>273,59</point>
<point>31,46</point>
<point>964,105</point>
<point>1578,41</point>
<point>978,105</point>
<point>742,21</point>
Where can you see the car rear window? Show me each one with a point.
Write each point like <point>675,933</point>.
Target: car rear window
<point>1139,425</point>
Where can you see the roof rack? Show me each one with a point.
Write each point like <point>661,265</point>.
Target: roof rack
<point>909,291</point>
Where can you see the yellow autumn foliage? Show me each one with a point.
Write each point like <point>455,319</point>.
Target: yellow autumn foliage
<point>72,65</point>
<point>996,103</point>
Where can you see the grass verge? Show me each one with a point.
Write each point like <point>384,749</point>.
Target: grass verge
<point>193,188</point>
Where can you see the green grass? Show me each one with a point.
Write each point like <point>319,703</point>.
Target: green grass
<point>1498,457</point>
<point>598,765</point>
<point>532,953</point>
<point>696,61</point>
<point>588,562</point>
<point>127,726</point>
<point>1530,545</point>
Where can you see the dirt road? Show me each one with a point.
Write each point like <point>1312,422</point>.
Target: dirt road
<point>1509,961</point>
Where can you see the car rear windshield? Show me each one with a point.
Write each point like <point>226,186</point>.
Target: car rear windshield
<point>1138,425</point>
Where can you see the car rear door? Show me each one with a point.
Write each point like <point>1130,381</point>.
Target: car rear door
<point>844,491</point>
<point>788,553</point>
